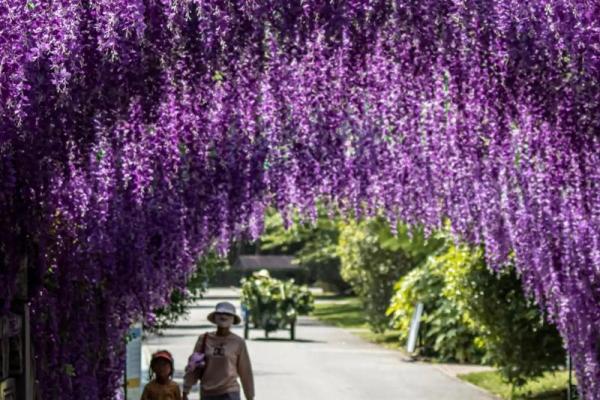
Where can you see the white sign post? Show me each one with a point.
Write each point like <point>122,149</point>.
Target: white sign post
<point>134,363</point>
<point>413,333</point>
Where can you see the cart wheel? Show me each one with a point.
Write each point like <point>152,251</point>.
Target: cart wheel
<point>246,328</point>
<point>293,330</point>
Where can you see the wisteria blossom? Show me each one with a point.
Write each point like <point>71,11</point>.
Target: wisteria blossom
<point>134,134</point>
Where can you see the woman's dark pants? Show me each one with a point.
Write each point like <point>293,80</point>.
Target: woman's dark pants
<point>226,396</point>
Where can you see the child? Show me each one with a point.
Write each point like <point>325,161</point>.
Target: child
<point>161,387</point>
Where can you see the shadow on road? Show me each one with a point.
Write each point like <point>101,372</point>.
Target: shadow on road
<point>310,322</point>
<point>286,340</point>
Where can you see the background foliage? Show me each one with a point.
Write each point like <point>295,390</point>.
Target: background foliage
<point>475,314</point>
<point>510,327</point>
<point>313,244</point>
<point>443,333</point>
<point>373,258</point>
<point>180,300</point>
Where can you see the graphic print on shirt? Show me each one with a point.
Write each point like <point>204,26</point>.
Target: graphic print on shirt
<point>219,350</point>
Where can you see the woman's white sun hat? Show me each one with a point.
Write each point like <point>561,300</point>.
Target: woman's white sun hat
<point>225,307</point>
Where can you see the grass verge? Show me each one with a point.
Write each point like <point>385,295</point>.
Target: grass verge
<point>345,313</point>
<point>348,313</point>
<point>551,386</point>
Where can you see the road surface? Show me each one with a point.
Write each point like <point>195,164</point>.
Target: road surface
<point>324,363</point>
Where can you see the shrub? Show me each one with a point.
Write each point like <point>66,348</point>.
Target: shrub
<point>510,327</point>
<point>373,258</point>
<point>443,333</point>
<point>472,313</point>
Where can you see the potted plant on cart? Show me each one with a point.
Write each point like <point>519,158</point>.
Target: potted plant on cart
<point>272,304</point>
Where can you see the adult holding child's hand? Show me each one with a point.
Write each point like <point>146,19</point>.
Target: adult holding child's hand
<point>219,359</point>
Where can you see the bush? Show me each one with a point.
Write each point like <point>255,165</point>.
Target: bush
<point>373,259</point>
<point>443,333</point>
<point>510,326</point>
<point>273,303</point>
<point>473,313</point>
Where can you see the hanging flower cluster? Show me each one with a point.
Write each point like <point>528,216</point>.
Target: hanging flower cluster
<point>135,134</point>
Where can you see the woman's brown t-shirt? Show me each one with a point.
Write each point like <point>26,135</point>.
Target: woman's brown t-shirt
<point>227,359</point>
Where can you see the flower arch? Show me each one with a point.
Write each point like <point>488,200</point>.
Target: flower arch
<point>134,134</point>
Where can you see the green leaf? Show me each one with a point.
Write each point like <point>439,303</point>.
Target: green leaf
<point>69,370</point>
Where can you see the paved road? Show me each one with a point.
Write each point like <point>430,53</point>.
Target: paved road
<point>325,363</point>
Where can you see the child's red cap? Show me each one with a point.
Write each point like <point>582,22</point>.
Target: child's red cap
<point>163,354</point>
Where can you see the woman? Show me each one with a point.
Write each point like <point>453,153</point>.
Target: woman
<point>225,359</point>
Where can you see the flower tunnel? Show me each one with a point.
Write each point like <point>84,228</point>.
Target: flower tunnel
<point>136,134</point>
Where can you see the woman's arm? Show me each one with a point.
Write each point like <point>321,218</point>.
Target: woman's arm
<point>244,368</point>
<point>190,378</point>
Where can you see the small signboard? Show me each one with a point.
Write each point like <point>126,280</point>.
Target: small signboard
<point>413,332</point>
<point>8,389</point>
<point>134,363</point>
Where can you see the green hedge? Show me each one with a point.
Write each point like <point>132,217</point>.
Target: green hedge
<point>510,326</point>
<point>474,314</point>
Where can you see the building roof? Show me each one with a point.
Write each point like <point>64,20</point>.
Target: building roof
<point>269,262</point>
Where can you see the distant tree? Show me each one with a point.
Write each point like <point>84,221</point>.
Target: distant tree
<point>313,244</point>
